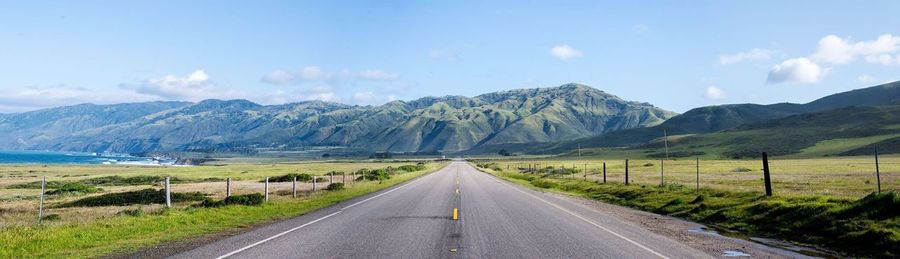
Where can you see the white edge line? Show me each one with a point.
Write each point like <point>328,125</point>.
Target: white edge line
<point>314,221</point>
<point>278,235</point>
<point>588,221</point>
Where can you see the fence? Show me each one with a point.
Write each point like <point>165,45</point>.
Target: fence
<point>140,199</point>
<point>841,177</point>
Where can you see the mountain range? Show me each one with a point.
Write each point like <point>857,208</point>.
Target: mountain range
<point>431,124</point>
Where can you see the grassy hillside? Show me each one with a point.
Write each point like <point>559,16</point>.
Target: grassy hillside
<point>846,131</point>
<point>722,117</point>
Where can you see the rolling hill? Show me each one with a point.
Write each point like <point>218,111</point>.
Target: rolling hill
<point>722,117</point>
<point>446,124</point>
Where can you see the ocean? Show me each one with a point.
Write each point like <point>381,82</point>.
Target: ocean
<point>52,157</point>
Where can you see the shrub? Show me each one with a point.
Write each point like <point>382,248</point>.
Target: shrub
<point>74,188</point>
<point>145,196</point>
<point>290,177</point>
<point>52,217</point>
<point>741,170</point>
<point>335,187</point>
<point>373,175</point>
<point>412,168</point>
<point>131,212</point>
<point>246,199</point>
<point>252,199</point>
<point>541,183</point>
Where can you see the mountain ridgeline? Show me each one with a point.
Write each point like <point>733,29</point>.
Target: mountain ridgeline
<point>717,118</point>
<point>442,124</point>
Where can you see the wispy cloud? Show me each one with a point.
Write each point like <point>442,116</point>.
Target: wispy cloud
<point>751,55</point>
<point>315,73</point>
<point>565,52</point>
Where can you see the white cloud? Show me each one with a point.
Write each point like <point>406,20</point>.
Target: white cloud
<point>752,55</point>
<point>798,70</point>
<point>836,50</point>
<point>884,59</point>
<point>565,52</point>
<point>313,73</point>
<point>279,77</point>
<point>714,93</point>
<point>317,74</point>
<point>196,86</point>
<point>372,98</point>
<point>865,79</point>
<point>38,97</point>
<point>377,75</point>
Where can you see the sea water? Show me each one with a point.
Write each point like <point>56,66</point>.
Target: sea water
<point>54,157</point>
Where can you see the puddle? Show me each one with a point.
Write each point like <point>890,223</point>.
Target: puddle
<point>704,230</point>
<point>735,253</point>
<point>800,249</point>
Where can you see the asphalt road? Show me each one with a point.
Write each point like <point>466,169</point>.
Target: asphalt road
<point>414,220</point>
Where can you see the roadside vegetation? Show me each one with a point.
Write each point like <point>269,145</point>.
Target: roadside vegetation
<point>867,226</point>
<point>849,177</point>
<point>133,215</point>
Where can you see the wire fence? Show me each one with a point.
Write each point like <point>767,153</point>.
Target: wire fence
<point>839,177</point>
<point>81,203</point>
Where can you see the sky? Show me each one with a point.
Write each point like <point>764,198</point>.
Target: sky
<point>676,55</point>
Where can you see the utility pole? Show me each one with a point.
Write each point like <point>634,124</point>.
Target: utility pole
<point>666,142</point>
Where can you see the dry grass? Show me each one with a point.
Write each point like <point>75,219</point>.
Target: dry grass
<point>843,177</point>
<point>18,207</point>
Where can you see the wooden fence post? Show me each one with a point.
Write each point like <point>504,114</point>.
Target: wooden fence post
<point>228,187</point>
<point>626,171</point>
<point>877,170</point>
<point>766,176</point>
<point>294,187</point>
<point>41,206</point>
<point>604,172</point>
<point>168,194</point>
<point>267,189</point>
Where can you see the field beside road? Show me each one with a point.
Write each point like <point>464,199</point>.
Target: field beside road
<point>828,202</point>
<point>89,231</point>
<point>832,176</point>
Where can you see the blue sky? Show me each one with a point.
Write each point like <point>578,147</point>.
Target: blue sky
<point>673,55</point>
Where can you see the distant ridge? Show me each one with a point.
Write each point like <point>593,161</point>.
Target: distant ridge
<point>445,124</point>
<point>722,117</point>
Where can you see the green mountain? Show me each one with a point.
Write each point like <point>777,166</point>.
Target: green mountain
<point>30,128</point>
<point>722,117</point>
<point>448,124</point>
<point>844,131</point>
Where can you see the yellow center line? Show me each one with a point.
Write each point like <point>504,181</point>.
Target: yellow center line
<point>455,214</point>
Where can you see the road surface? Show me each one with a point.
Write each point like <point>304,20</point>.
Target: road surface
<point>496,219</point>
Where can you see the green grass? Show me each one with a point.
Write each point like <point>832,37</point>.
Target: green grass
<point>869,226</point>
<point>129,233</point>
<point>850,177</point>
<point>837,146</point>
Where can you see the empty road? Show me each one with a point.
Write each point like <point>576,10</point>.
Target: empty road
<point>496,219</point>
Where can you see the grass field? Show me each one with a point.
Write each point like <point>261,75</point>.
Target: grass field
<point>833,176</point>
<point>95,231</point>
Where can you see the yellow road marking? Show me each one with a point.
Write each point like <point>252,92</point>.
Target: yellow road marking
<point>455,214</point>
